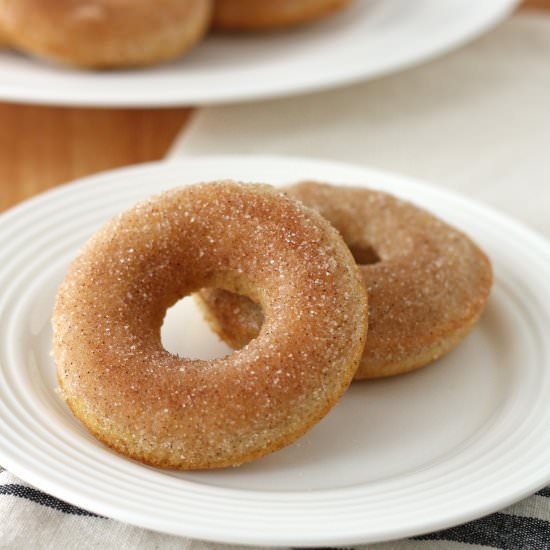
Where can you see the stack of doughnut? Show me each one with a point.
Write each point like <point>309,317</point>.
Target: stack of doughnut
<point>101,34</point>
<point>291,278</point>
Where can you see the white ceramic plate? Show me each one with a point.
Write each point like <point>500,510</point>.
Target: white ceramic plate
<point>371,38</point>
<point>450,442</point>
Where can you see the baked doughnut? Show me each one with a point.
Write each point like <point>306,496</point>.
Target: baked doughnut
<point>105,33</point>
<point>181,413</point>
<point>266,14</point>
<point>427,282</point>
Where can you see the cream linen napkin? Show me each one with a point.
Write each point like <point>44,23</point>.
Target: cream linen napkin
<point>477,121</point>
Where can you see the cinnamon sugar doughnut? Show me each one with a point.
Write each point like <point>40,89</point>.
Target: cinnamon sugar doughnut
<point>427,282</point>
<point>105,33</point>
<point>266,14</point>
<point>173,412</point>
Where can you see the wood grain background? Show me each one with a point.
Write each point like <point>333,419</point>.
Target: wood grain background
<point>43,146</point>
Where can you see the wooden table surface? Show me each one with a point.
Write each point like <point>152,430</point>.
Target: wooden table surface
<point>41,147</point>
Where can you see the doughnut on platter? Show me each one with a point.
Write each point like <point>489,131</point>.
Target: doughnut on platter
<point>464,436</point>
<point>362,42</point>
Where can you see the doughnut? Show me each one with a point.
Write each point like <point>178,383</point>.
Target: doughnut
<point>266,14</point>
<point>427,282</point>
<point>105,33</point>
<point>173,412</point>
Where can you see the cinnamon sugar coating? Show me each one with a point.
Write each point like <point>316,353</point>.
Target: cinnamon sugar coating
<point>427,285</point>
<point>174,412</point>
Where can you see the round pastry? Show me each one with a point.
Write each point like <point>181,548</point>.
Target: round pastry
<point>427,282</point>
<point>105,33</point>
<point>169,411</point>
<point>266,14</point>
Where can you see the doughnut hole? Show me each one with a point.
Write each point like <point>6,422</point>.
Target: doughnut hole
<point>236,319</point>
<point>186,333</point>
<point>364,254</point>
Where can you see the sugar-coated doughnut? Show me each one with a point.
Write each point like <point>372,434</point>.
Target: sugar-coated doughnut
<point>266,14</point>
<point>105,33</point>
<point>181,413</point>
<point>427,282</point>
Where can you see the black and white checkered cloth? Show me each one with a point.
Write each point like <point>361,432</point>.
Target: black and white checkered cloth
<point>31,519</point>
